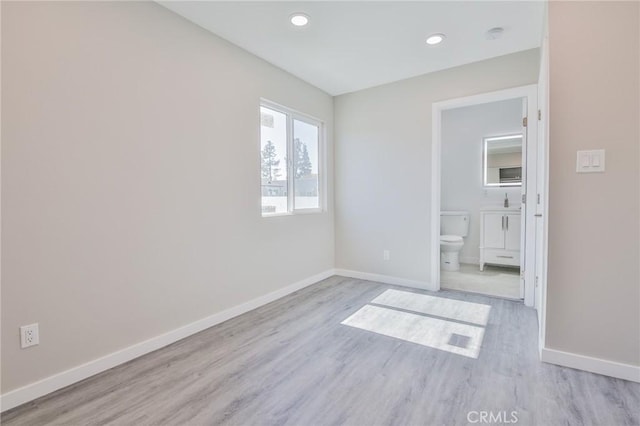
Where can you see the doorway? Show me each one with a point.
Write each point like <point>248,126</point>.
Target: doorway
<point>484,166</point>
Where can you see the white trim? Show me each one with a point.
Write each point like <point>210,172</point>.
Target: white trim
<point>288,160</point>
<point>470,260</point>
<point>543,138</point>
<point>436,123</point>
<point>386,279</point>
<point>528,256</point>
<point>593,365</point>
<point>47,385</point>
<point>530,93</point>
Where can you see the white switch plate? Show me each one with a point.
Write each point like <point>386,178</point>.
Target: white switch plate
<point>386,254</point>
<point>590,161</point>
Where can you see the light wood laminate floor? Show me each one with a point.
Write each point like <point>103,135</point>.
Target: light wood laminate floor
<point>294,362</point>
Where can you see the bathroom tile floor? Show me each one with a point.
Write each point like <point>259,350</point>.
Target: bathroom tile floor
<point>493,281</point>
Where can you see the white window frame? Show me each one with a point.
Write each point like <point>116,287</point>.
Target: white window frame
<point>290,116</point>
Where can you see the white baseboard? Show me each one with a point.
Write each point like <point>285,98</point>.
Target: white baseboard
<point>470,260</point>
<point>593,365</point>
<point>422,285</point>
<point>58,381</point>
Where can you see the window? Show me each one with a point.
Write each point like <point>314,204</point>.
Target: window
<point>291,159</point>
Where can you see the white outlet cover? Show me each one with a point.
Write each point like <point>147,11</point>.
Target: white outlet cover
<point>29,335</point>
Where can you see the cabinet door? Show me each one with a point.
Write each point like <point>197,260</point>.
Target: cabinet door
<point>512,226</point>
<point>493,234</point>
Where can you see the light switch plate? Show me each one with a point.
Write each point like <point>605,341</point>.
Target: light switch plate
<point>591,161</point>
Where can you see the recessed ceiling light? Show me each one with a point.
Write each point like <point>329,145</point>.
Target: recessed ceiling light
<point>435,39</point>
<point>495,33</point>
<point>299,19</point>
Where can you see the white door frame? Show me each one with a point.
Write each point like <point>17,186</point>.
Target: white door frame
<point>529,92</point>
<point>542,203</point>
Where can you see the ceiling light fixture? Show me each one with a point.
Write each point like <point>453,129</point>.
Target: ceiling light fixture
<point>495,33</point>
<point>435,39</point>
<point>299,19</point>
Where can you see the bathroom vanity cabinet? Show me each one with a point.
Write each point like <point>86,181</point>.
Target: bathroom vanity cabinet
<point>499,238</point>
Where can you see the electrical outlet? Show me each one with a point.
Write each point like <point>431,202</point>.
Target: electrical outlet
<point>29,335</point>
<point>386,254</point>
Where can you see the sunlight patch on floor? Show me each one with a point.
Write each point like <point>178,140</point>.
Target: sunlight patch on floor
<point>475,313</point>
<point>442,331</point>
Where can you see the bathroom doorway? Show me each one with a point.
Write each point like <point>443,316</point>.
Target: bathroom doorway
<point>483,154</point>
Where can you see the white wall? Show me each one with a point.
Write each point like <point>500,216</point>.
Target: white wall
<point>383,162</point>
<point>593,289</point>
<point>131,181</point>
<point>463,130</point>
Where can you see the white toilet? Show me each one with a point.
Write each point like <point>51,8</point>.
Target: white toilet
<point>454,226</point>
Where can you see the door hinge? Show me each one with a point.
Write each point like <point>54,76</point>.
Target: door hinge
<point>538,198</point>
<point>524,122</point>
<point>524,198</point>
<point>539,115</point>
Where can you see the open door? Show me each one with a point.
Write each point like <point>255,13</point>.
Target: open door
<point>529,183</point>
<point>541,210</point>
<point>527,95</point>
<point>523,192</point>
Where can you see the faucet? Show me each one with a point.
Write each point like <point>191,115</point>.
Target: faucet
<point>506,200</point>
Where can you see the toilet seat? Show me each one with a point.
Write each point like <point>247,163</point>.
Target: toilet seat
<point>450,239</point>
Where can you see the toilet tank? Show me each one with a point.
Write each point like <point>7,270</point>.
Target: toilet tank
<point>454,223</point>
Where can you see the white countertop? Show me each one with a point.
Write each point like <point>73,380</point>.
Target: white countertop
<point>511,209</point>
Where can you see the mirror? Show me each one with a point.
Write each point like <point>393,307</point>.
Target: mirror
<point>502,165</point>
